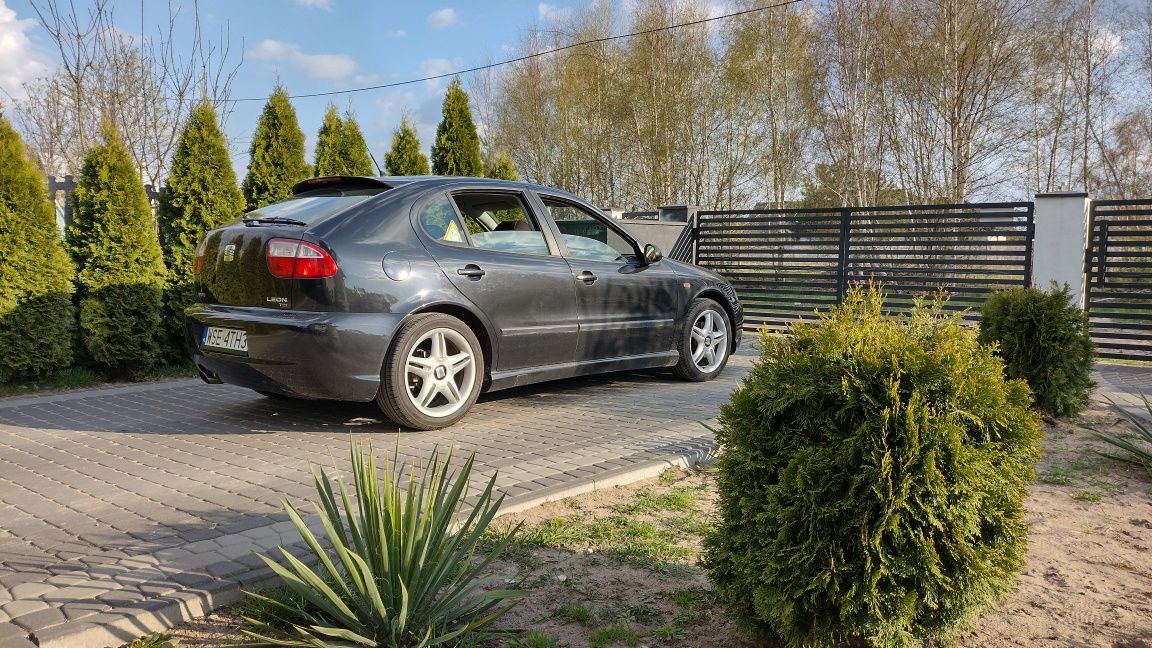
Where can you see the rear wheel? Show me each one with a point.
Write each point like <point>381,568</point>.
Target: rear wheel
<point>433,373</point>
<point>704,343</point>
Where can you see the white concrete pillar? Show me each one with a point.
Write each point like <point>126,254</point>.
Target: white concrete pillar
<point>1061,241</point>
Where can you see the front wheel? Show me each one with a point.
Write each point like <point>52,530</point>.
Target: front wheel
<point>704,343</point>
<point>433,373</point>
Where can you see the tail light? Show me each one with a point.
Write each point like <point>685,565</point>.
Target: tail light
<point>288,259</point>
<point>198,263</point>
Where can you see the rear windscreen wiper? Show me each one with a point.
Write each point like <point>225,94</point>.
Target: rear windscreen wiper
<point>280,220</point>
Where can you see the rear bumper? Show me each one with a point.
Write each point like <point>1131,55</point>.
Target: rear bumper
<point>305,354</point>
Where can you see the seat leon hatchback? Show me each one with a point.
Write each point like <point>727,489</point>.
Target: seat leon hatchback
<point>420,293</point>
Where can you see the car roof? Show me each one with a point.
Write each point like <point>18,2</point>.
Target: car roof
<point>429,181</point>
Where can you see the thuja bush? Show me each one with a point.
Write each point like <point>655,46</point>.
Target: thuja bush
<point>872,482</point>
<point>1043,338</point>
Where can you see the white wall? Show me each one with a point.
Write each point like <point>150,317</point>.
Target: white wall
<point>1061,240</point>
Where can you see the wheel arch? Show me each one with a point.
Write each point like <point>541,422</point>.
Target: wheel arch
<point>473,321</point>
<point>718,297</point>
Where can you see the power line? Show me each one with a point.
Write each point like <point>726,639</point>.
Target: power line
<point>526,57</point>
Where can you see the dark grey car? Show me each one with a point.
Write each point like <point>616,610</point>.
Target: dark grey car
<point>422,292</point>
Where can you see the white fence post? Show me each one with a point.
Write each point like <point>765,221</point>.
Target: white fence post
<point>1061,241</point>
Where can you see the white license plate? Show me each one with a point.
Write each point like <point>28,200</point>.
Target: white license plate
<point>228,339</point>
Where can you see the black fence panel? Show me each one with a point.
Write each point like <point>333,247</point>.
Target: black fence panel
<point>787,263</point>
<point>1118,268</point>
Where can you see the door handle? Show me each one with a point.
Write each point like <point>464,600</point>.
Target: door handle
<point>586,277</point>
<point>472,271</point>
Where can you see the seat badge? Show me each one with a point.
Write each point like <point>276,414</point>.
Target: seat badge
<point>229,252</point>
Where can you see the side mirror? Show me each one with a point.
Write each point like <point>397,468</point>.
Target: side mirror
<point>652,254</point>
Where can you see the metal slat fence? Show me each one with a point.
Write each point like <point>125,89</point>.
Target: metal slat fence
<point>787,263</point>
<point>1118,268</point>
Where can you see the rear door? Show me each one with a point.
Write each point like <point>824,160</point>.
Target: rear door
<point>494,251</point>
<point>626,308</point>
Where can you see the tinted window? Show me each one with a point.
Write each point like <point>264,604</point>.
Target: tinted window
<point>439,220</point>
<point>586,236</point>
<point>314,206</point>
<point>500,222</point>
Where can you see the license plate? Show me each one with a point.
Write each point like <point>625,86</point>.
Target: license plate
<point>227,339</point>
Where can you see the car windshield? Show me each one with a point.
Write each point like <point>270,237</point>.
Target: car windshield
<point>314,206</point>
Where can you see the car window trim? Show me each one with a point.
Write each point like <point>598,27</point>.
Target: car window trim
<point>550,241</point>
<point>594,213</point>
<point>418,225</point>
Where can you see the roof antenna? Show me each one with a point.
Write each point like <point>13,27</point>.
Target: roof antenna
<point>378,169</point>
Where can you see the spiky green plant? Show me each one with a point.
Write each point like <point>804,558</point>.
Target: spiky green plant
<point>1139,448</point>
<point>401,570</point>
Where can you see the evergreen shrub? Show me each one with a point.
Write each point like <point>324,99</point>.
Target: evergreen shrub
<point>202,194</point>
<point>120,267</point>
<point>36,316</point>
<point>872,480</point>
<point>1044,340</point>
<point>276,155</point>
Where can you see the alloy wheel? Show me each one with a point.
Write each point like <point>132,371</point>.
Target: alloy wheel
<point>440,372</point>
<point>709,341</point>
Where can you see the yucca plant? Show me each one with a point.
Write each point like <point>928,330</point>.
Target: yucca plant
<point>401,568</point>
<point>1140,449</point>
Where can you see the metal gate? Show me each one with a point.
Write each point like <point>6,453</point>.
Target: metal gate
<point>1118,282</point>
<point>787,263</point>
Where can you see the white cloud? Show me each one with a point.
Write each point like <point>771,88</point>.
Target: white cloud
<point>396,34</point>
<point>442,18</point>
<point>332,67</point>
<point>20,61</point>
<point>326,5</point>
<point>437,67</point>
<point>548,13</point>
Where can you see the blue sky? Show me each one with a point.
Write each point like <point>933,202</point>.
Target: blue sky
<point>318,46</point>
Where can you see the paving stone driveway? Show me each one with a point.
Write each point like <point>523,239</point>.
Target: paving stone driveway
<point>124,510</point>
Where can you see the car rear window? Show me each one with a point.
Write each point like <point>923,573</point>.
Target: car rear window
<point>313,206</point>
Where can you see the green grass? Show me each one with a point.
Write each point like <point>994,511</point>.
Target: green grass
<point>535,639</point>
<point>575,613</point>
<point>158,640</point>
<point>669,476</point>
<point>78,378</point>
<point>616,634</point>
<point>1087,496</point>
<point>646,501</point>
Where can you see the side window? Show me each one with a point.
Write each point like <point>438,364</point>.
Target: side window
<point>498,221</point>
<point>586,236</point>
<point>440,222</point>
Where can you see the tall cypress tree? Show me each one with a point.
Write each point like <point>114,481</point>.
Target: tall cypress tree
<point>355,149</point>
<point>457,148</point>
<point>340,146</point>
<point>121,269</point>
<point>329,156</point>
<point>405,158</point>
<point>277,153</point>
<point>202,194</point>
<point>36,317</point>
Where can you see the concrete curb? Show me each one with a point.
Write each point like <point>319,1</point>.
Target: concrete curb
<point>119,625</point>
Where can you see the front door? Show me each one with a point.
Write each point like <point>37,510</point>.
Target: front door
<point>497,256</point>
<point>627,308</point>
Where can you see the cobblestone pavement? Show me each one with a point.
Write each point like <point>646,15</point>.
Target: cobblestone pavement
<point>128,509</point>
<point>125,510</point>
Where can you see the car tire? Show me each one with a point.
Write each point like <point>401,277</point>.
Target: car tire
<point>433,373</point>
<point>705,343</point>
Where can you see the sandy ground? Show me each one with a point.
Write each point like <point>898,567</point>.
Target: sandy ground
<point>1087,579</point>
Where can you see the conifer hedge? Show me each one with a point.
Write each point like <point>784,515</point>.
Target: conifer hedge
<point>36,316</point>
<point>340,147</point>
<point>456,151</point>
<point>872,481</point>
<point>120,267</point>
<point>1045,340</point>
<point>405,158</point>
<point>276,159</point>
<point>202,194</point>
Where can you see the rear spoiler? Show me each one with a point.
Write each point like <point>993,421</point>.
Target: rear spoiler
<point>341,182</point>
